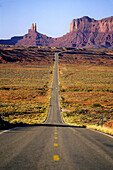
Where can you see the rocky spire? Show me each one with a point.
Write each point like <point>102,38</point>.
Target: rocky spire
<point>32,26</point>
<point>35,28</point>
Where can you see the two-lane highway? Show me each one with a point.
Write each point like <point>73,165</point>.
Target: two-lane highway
<point>54,116</point>
<point>54,145</point>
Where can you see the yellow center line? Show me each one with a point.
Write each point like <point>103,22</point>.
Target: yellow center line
<point>55,129</point>
<point>55,133</point>
<point>56,157</point>
<point>55,144</point>
<point>55,137</point>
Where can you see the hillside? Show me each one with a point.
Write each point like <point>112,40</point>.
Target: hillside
<point>26,55</point>
<point>45,55</point>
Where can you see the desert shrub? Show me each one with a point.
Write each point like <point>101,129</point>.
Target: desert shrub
<point>43,93</point>
<point>90,90</point>
<point>62,90</point>
<point>96,105</point>
<point>4,88</point>
<point>62,98</point>
<point>109,90</point>
<point>83,111</point>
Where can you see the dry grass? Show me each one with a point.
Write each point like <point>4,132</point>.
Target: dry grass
<point>25,92</point>
<point>102,129</point>
<point>87,92</point>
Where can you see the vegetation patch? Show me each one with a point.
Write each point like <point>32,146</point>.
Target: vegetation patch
<point>25,92</point>
<point>86,91</point>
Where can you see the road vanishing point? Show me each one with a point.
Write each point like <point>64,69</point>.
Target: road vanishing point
<point>54,145</point>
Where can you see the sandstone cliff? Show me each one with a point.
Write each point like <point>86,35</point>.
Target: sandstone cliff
<point>92,33</point>
<point>91,25</point>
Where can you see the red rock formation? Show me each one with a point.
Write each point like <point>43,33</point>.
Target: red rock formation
<point>33,28</point>
<point>84,32</point>
<point>94,33</point>
<point>89,24</point>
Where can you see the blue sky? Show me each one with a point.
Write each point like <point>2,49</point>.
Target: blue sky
<point>53,17</point>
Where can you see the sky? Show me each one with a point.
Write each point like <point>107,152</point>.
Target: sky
<point>53,17</point>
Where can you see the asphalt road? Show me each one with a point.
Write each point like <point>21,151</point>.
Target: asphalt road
<point>54,145</point>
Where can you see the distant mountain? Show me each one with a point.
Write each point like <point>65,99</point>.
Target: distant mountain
<point>84,32</point>
<point>11,41</point>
